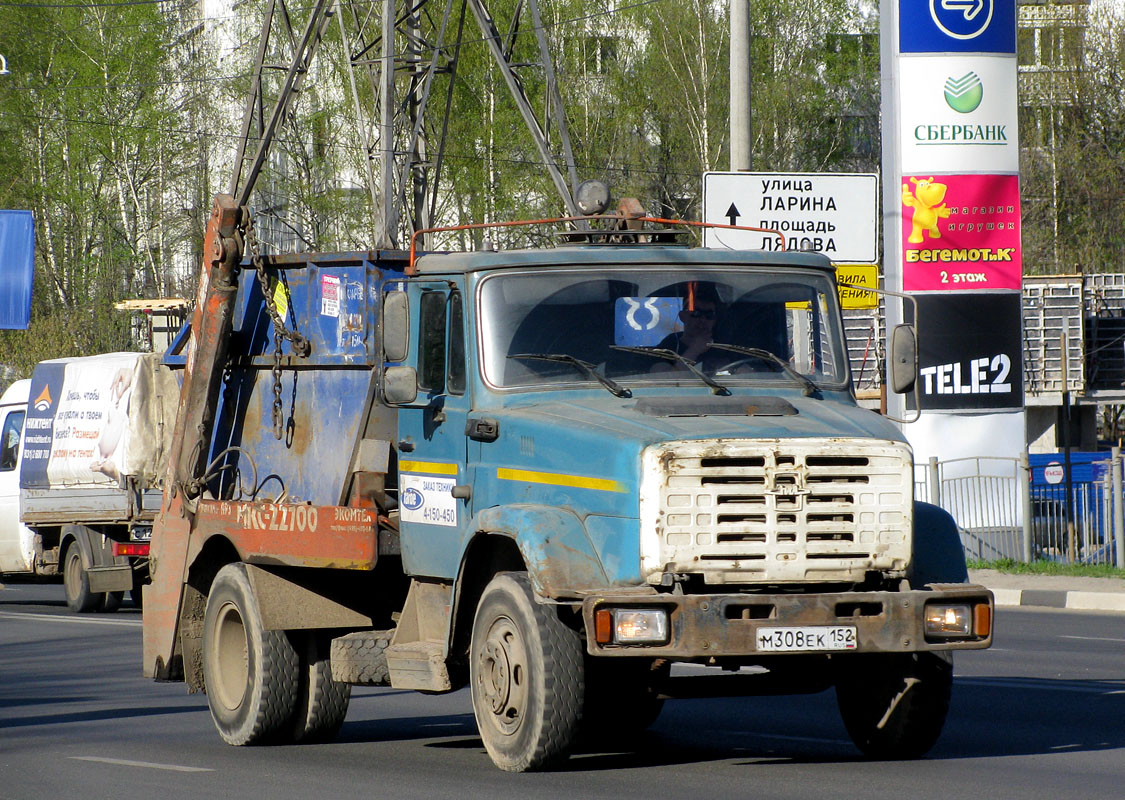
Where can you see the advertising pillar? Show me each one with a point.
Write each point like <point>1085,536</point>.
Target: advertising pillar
<point>951,213</point>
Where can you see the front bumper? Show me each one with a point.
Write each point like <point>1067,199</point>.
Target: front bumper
<point>702,627</point>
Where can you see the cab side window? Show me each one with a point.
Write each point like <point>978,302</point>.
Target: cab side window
<point>456,344</point>
<point>10,440</point>
<point>431,354</point>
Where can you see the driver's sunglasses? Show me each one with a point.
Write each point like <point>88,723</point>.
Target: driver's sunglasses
<point>700,313</point>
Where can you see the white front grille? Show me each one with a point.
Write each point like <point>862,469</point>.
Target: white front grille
<point>778,510</point>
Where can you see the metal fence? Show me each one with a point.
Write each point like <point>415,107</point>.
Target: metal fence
<point>1077,531</point>
<point>1000,514</point>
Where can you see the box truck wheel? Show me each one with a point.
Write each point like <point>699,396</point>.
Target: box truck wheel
<point>250,674</point>
<point>111,601</point>
<point>894,705</point>
<point>76,582</point>
<point>525,670</point>
<point>322,703</point>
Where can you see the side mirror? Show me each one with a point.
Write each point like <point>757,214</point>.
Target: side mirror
<point>400,385</point>
<point>396,326</point>
<point>904,359</point>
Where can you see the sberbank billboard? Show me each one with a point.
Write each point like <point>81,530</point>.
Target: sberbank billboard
<point>951,200</point>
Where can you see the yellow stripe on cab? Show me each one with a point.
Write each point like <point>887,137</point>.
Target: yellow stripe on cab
<point>559,479</point>
<point>430,467</point>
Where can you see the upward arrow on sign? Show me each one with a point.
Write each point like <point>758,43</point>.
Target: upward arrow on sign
<point>732,214</point>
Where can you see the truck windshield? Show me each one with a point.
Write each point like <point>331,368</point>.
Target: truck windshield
<point>637,326</point>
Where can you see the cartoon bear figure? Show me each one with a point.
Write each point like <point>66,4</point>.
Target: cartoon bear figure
<point>928,207</point>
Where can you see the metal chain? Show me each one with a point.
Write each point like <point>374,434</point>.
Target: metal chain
<point>300,345</point>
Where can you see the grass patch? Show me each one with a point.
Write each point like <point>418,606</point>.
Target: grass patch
<point>1014,567</point>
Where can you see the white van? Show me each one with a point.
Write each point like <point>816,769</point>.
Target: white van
<point>83,449</point>
<point>17,542</point>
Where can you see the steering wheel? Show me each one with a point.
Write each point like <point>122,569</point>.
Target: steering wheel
<point>742,362</point>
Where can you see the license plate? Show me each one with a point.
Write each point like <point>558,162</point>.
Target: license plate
<point>140,534</point>
<point>824,637</point>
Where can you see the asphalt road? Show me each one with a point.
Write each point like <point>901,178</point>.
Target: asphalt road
<point>1041,715</point>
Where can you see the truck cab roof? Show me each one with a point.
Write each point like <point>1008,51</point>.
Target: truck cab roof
<point>16,394</point>
<point>617,254</point>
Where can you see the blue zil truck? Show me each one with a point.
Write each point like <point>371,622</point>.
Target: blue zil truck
<point>554,476</point>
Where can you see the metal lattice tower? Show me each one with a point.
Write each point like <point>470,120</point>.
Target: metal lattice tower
<point>394,51</point>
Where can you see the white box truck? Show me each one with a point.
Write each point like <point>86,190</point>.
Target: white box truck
<point>82,454</point>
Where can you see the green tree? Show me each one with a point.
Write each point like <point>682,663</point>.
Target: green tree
<point>1072,161</point>
<point>91,146</point>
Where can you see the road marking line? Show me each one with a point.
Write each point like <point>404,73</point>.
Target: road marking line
<point>1092,638</point>
<point>128,623</point>
<point>121,762</point>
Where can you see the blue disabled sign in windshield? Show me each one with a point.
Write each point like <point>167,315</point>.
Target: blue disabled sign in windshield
<point>957,26</point>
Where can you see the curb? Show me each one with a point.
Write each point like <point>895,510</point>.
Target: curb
<point>1070,600</point>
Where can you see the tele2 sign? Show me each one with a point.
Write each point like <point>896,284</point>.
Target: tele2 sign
<point>832,213</point>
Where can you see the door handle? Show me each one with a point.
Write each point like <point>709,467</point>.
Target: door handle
<point>482,429</point>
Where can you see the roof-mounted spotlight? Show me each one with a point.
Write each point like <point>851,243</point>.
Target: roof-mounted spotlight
<point>592,197</point>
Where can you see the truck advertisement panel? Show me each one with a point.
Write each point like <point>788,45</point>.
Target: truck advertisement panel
<point>77,422</point>
<point>960,232</point>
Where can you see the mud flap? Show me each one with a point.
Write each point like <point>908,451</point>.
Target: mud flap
<point>117,578</point>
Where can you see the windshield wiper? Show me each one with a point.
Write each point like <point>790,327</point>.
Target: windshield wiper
<point>810,387</point>
<point>672,355</point>
<point>585,367</point>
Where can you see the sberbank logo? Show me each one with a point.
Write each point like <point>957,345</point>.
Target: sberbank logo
<point>965,93</point>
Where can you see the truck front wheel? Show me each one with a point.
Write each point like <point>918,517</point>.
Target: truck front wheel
<point>525,669</point>
<point>250,674</point>
<point>894,706</point>
<point>76,582</point>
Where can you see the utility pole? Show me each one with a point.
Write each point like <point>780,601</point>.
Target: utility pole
<point>741,143</point>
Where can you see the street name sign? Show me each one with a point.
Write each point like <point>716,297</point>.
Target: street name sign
<point>832,213</point>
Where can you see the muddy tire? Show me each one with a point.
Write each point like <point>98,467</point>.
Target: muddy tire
<point>111,601</point>
<point>76,583</point>
<point>251,675</point>
<point>361,658</point>
<point>525,670</point>
<point>322,703</point>
<point>894,706</point>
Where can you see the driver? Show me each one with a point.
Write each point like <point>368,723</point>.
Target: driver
<point>699,316</point>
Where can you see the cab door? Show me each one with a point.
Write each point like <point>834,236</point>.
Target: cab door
<point>435,503</point>
<point>15,539</point>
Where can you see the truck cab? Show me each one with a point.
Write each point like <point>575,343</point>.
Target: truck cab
<point>550,382</point>
<point>17,542</point>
